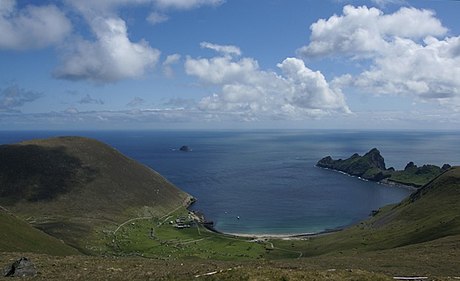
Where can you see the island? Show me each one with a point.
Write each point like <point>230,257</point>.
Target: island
<point>185,148</point>
<point>371,166</point>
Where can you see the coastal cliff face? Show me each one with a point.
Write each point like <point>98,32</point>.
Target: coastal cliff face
<point>371,166</point>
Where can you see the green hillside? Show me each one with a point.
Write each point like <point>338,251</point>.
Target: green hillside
<point>371,166</point>
<point>417,176</point>
<point>70,187</point>
<point>19,236</point>
<point>430,213</point>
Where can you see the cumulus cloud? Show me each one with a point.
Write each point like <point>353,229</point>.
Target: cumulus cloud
<point>168,63</point>
<point>412,61</point>
<point>13,97</point>
<point>31,27</point>
<point>362,31</point>
<point>427,71</point>
<point>110,58</point>
<point>253,94</point>
<point>223,49</point>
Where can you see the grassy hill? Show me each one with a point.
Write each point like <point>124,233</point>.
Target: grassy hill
<point>371,166</point>
<point>430,213</point>
<point>19,236</point>
<point>417,176</point>
<point>71,186</point>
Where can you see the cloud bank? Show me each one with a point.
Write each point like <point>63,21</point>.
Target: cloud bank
<point>407,52</point>
<point>110,58</point>
<point>31,27</point>
<point>255,94</point>
<point>13,97</point>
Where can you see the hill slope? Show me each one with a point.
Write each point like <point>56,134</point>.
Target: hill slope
<point>430,213</point>
<point>371,166</point>
<point>68,186</point>
<point>19,236</point>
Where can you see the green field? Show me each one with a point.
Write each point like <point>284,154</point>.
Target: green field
<point>168,242</point>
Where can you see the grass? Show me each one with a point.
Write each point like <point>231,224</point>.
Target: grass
<point>416,176</point>
<point>196,242</point>
<point>430,213</point>
<point>17,235</point>
<point>73,186</point>
<point>136,268</point>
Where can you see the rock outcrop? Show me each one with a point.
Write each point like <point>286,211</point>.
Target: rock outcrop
<point>185,148</point>
<point>370,166</point>
<point>23,267</point>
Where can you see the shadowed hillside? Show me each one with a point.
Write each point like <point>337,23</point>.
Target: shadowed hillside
<point>19,236</point>
<point>67,186</point>
<point>35,173</point>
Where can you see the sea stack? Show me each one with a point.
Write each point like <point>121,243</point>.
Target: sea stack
<point>185,148</point>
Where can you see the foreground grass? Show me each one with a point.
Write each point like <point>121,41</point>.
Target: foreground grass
<point>135,268</point>
<point>437,260</point>
<point>17,235</point>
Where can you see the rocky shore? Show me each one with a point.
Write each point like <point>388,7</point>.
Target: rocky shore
<point>371,166</point>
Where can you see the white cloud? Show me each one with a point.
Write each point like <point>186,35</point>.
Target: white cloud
<point>362,31</point>
<point>156,18</point>
<point>186,4</point>
<point>221,70</point>
<point>168,63</point>
<point>110,58</point>
<point>428,71</point>
<point>223,49</point>
<point>31,27</point>
<point>405,54</point>
<point>250,93</point>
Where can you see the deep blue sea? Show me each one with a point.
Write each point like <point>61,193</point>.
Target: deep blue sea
<point>268,178</point>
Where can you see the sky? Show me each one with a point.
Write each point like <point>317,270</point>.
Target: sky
<point>229,64</point>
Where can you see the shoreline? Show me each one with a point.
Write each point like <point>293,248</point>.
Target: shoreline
<point>383,182</point>
<point>291,236</point>
<point>209,225</point>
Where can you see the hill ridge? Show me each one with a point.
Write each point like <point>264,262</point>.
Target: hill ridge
<point>68,186</point>
<point>371,166</point>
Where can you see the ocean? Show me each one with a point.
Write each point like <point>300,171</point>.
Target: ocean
<point>266,182</point>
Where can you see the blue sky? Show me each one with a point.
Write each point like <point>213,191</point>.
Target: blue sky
<point>215,64</point>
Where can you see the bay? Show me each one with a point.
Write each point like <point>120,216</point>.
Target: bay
<point>266,182</point>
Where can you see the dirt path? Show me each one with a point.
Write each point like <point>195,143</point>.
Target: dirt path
<point>149,217</point>
<point>131,220</point>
